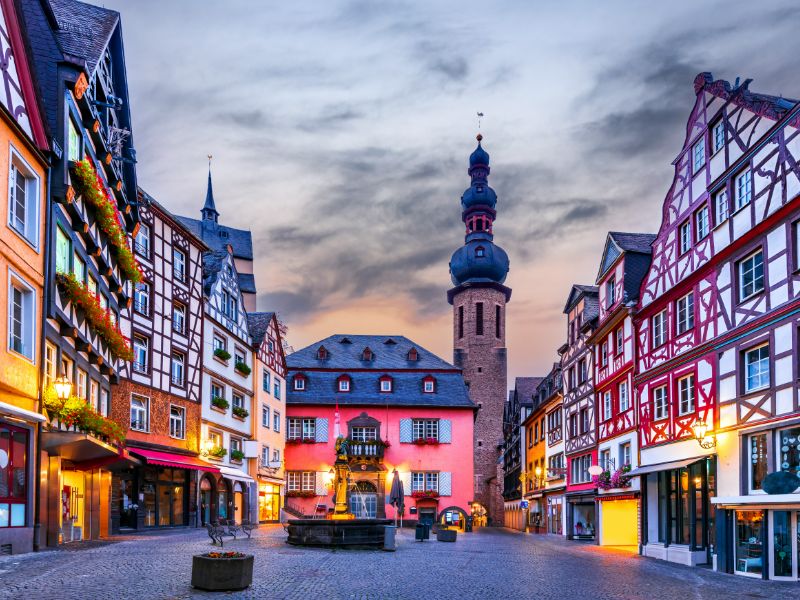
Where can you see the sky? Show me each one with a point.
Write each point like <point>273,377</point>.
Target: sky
<point>340,133</point>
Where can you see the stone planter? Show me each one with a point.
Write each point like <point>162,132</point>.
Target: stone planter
<point>222,574</point>
<point>446,535</point>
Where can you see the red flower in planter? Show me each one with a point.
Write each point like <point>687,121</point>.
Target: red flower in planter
<point>425,494</point>
<point>309,441</point>
<point>94,192</point>
<point>99,318</point>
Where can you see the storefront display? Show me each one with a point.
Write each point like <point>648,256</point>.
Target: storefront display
<point>749,542</point>
<point>554,515</point>
<point>269,502</point>
<point>583,521</point>
<point>13,476</point>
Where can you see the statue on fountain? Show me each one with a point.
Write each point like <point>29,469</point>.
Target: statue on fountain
<point>341,481</point>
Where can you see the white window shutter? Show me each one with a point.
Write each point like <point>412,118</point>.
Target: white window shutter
<point>406,479</point>
<point>445,483</point>
<point>445,431</point>
<point>321,488</point>
<point>322,430</point>
<point>406,430</point>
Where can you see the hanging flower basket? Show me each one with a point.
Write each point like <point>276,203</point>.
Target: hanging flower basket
<point>94,192</point>
<point>616,480</point>
<point>98,317</point>
<point>425,494</point>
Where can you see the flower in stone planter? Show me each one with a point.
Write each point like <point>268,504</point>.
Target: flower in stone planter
<point>221,353</point>
<point>220,402</point>
<point>243,368</point>
<point>240,412</point>
<point>224,555</point>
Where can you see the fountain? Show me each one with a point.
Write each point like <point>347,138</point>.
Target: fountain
<point>341,528</point>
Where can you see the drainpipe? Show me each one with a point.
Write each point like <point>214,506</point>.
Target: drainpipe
<point>37,501</point>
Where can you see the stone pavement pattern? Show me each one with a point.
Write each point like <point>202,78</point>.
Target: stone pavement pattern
<point>489,564</point>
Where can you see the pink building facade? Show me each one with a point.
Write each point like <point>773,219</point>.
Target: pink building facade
<point>400,408</point>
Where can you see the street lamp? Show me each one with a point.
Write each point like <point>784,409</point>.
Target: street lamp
<point>538,472</point>
<point>700,430</point>
<point>63,385</point>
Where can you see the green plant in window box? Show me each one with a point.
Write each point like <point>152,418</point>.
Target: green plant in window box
<point>222,354</point>
<point>243,368</point>
<point>220,402</point>
<point>240,412</point>
<point>217,452</point>
<point>237,455</point>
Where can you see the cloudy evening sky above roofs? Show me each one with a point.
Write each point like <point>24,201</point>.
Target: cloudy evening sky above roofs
<point>341,130</point>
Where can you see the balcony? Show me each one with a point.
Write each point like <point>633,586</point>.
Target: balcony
<point>372,450</point>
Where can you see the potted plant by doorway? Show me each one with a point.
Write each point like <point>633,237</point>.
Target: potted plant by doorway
<point>222,571</point>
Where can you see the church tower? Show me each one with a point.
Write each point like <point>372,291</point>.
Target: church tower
<point>478,270</point>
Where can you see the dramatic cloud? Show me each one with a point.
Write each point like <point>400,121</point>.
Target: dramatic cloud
<point>340,133</point>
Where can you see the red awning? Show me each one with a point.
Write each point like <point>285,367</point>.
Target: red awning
<point>178,461</point>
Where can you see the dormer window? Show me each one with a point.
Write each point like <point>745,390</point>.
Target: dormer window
<point>386,384</point>
<point>344,383</point>
<point>429,385</point>
<point>299,383</point>
<point>322,353</point>
<point>367,354</point>
<point>480,252</point>
<point>413,354</point>
<point>345,341</point>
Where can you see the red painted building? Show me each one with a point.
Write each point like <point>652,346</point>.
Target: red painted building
<point>400,408</point>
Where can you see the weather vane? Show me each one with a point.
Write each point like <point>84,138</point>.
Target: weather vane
<point>480,116</point>
<point>209,160</point>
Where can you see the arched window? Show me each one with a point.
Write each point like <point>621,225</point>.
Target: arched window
<point>367,354</point>
<point>429,384</point>
<point>322,353</point>
<point>386,384</point>
<point>413,354</point>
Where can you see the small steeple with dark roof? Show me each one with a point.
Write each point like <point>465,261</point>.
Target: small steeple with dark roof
<point>209,211</point>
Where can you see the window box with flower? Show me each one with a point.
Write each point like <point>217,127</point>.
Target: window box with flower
<point>426,441</point>
<point>300,494</point>
<point>217,452</point>
<point>240,412</point>
<point>222,354</point>
<point>424,494</point>
<point>242,369</point>
<point>237,455</point>
<point>220,404</point>
<point>608,480</point>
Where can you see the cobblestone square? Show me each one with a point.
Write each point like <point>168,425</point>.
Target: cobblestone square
<point>488,564</point>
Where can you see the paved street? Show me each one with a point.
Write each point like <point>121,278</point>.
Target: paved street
<point>486,565</point>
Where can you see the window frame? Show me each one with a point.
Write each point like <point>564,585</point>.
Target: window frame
<point>701,234</point>
<point>31,228</point>
<point>716,127</point>
<point>747,174</point>
<point>145,409</point>
<point>719,197</point>
<point>691,389</point>
<point>178,274</point>
<point>746,389</point>
<point>180,418</point>
<point>28,316</point>
<point>740,284</point>
<point>660,326</point>
<point>177,358</point>
<point>685,237</point>
<point>687,311</point>
<point>660,413</point>
<point>699,154</point>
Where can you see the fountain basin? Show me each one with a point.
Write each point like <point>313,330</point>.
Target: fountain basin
<point>337,533</point>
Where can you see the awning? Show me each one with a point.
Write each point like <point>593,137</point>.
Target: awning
<point>176,461</point>
<point>236,474</point>
<point>21,413</point>
<point>665,466</point>
<point>793,499</point>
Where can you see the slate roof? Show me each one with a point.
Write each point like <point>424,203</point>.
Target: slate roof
<point>390,357</point>
<point>634,242</point>
<point>576,291</point>
<point>212,265</point>
<point>83,30</point>
<point>387,356</point>
<point>524,388</point>
<point>247,282</point>
<point>218,236</point>
<point>257,326</point>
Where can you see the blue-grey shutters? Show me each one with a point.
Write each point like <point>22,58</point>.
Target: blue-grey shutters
<point>445,483</point>
<point>406,430</point>
<point>319,483</point>
<point>321,430</point>
<point>406,479</point>
<point>445,431</point>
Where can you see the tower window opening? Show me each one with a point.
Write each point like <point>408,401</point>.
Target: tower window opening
<point>480,252</point>
<point>479,318</point>
<point>478,224</point>
<point>460,322</point>
<point>497,314</point>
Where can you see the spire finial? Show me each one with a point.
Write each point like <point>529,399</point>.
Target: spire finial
<point>209,210</point>
<point>479,137</point>
<point>480,116</point>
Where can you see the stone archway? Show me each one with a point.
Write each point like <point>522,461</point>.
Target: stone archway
<point>452,516</point>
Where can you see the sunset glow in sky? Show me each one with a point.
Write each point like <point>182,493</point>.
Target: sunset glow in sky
<point>341,130</point>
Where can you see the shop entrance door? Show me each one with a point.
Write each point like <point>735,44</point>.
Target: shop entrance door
<point>783,545</point>
<point>128,506</point>
<point>238,502</point>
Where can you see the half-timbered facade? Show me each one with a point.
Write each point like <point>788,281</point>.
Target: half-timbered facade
<point>580,432</point>
<point>515,412</point>
<point>79,62</point>
<point>625,260</point>
<point>269,384</point>
<point>23,156</point>
<point>158,397</point>
<point>227,395</point>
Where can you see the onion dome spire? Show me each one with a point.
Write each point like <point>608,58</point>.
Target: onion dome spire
<point>479,260</point>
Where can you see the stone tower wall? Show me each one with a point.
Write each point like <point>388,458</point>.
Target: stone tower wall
<point>483,359</point>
